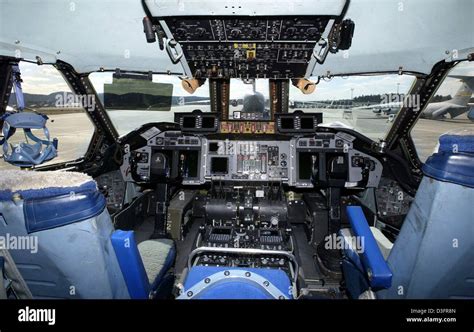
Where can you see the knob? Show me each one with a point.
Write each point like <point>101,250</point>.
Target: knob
<point>173,43</point>
<point>290,31</point>
<point>274,220</point>
<point>200,31</point>
<point>235,33</point>
<point>254,33</point>
<point>312,31</point>
<point>202,230</point>
<point>180,32</point>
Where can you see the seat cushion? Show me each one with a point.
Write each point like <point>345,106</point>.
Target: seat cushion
<point>157,256</point>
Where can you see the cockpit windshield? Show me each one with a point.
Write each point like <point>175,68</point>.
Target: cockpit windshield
<point>366,104</point>
<point>127,116</point>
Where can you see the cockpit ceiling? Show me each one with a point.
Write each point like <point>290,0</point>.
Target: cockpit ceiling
<point>92,34</point>
<point>170,8</point>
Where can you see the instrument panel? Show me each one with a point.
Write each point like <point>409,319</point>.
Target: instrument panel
<point>112,186</point>
<point>197,121</point>
<point>330,160</point>
<point>254,39</point>
<point>322,159</point>
<point>297,122</point>
<point>230,160</point>
<point>247,29</point>
<point>247,47</point>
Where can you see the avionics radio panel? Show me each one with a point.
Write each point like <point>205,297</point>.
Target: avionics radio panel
<point>208,122</point>
<point>247,160</point>
<point>247,127</point>
<point>247,47</point>
<point>248,39</point>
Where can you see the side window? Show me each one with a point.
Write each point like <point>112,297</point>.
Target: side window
<point>451,108</point>
<point>45,91</point>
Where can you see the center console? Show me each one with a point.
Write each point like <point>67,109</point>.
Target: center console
<point>245,185</point>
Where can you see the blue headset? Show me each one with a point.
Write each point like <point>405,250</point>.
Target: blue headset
<point>25,154</point>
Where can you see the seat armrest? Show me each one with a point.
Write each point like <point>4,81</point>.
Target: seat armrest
<point>378,272</point>
<point>131,264</point>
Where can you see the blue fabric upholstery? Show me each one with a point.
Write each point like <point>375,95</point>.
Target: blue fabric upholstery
<point>433,254</point>
<point>168,262</point>
<point>68,257</point>
<point>78,255</point>
<point>380,275</point>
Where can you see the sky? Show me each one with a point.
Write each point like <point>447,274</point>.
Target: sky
<point>46,79</point>
<point>43,79</point>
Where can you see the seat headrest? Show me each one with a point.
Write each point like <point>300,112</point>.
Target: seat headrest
<point>32,184</point>
<point>461,140</point>
<point>454,161</point>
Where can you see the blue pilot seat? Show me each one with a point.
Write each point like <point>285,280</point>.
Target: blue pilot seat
<point>433,253</point>
<point>68,239</point>
<point>65,228</point>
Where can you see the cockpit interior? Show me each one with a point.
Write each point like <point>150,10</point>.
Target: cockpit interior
<point>248,186</point>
